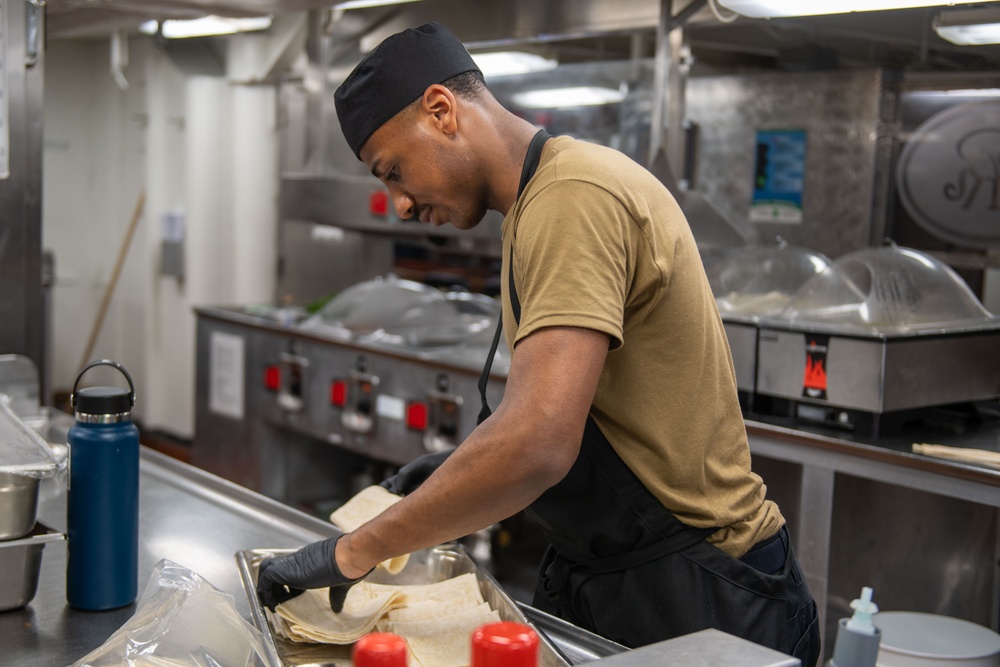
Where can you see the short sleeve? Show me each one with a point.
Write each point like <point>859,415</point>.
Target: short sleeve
<point>571,260</point>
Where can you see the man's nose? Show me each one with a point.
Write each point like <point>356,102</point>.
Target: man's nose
<point>403,203</point>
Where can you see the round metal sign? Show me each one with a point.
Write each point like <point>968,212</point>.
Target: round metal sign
<point>949,175</point>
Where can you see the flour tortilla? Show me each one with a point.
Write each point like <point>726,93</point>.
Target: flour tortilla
<point>466,622</point>
<point>463,589</point>
<point>362,508</point>
<point>308,618</point>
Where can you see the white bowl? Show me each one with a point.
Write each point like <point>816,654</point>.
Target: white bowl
<point>913,639</point>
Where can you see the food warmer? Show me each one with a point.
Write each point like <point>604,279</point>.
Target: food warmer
<point>875,339</point>
<point>757,281</point>
<point>385,371</point>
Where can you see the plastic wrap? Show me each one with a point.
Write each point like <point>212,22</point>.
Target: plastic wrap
<point>22,450</point>
<point>181,619</point>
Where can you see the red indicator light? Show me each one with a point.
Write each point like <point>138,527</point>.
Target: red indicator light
<point>378,203</point>
<point>416,416</point>
<point>272,378</point>
<point>338,393</point>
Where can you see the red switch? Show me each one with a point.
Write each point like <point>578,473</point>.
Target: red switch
<point>378,203</point>
<point>416,416</point>
<point>338,393</point>
<point>272,378</point>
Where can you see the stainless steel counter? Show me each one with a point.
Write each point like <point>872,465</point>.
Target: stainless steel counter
<point>199,521</point>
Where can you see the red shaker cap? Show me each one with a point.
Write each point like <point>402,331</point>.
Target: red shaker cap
<point>504,644</point>
<point>379,649</point>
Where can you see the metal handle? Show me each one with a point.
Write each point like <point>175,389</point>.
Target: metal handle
<point>103,362</point>
<point>33,31</point>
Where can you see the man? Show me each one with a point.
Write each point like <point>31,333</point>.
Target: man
<point>620,430</point>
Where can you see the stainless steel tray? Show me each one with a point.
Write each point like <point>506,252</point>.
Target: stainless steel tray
<point>424,567</point>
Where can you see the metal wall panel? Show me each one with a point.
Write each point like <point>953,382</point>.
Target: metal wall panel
<point>22,309</point>
<point>842,113</point>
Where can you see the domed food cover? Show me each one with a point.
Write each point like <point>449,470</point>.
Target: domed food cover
<point>887,290</point>
<point>362,311</point>
<point>442,319</point>
<point>762,279</point>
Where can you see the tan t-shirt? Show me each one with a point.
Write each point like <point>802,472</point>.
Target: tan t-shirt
<point>599,243</point>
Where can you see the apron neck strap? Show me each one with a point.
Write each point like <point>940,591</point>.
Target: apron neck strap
<point>531,159</point>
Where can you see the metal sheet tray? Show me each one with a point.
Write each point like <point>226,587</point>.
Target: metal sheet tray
<point>424,567</point>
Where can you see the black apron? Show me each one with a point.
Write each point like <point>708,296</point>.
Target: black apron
<point>621,565</point>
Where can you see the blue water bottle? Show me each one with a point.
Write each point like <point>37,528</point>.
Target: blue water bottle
<point>103,502</point>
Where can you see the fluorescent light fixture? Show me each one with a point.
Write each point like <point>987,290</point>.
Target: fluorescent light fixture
<point>507,63</point>
<point>555,98</point>
<point>362,4</point>
<point>206,26</point>
<point>969,27</point>
<point>777,8</point>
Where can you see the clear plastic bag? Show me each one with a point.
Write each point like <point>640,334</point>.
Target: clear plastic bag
<point>181,619</point>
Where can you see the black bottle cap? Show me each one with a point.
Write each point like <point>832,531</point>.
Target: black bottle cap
<point>103,401</point>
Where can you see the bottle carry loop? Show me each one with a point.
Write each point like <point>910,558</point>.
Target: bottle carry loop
<point>103,362</point>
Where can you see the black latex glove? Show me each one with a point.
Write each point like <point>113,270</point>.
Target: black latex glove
<point>415,473</point>
<point>312,566</point>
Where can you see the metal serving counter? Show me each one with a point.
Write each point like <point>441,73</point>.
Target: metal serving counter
<point>199,521</point>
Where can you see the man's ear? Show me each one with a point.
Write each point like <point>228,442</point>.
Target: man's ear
<point>439,103</point>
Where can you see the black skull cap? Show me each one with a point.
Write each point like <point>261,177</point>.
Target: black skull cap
<point>393,75</point>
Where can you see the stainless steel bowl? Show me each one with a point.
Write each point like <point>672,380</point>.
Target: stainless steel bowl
<point>18,505</point>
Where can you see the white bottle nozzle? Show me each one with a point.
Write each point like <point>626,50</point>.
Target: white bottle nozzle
<point>863,608</point>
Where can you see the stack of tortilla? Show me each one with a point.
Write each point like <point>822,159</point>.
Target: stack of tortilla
<point>436,620</point>
<point>308,617</point>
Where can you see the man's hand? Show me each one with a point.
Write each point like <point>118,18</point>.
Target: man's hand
<point>313,566</point>
<point>415,473</point>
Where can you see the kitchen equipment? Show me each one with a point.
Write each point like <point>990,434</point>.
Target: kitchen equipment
<point>361,311</point>
<point>103,503</point>
<point>424,567</point>
<point>20,562</point>
<point>18,505</point>
<point>874,338</point>
<point>912,639</point>
<point>752,282</point>
<point>24,460</point>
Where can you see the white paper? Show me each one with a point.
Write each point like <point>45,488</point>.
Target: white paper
<point>390,407</point>
<point>226,375</point>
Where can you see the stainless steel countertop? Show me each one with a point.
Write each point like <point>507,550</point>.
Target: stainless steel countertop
<point>199,521</point>
<point>188,516</point>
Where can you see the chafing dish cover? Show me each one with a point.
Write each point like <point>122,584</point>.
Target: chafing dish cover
<point>762,279</point>
<point>442,318</point>
<point>365,309</point>
<point>890,289</point>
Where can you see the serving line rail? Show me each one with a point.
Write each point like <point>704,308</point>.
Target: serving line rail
<point>924,532</point>
<point>197,520</point>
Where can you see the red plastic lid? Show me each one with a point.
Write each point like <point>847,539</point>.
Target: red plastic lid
<point>379,649</point>
<point>504,644</point>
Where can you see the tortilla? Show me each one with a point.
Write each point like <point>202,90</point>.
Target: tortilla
<point>362,508</point>
<point>308,618</point>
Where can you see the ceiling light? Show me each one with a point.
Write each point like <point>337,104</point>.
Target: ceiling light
<point>969,27</point>
<point>206,26</point>
<point>555,98</point>
<point>776,8</point>
<point>361,4</point>
<point>506,63</point>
